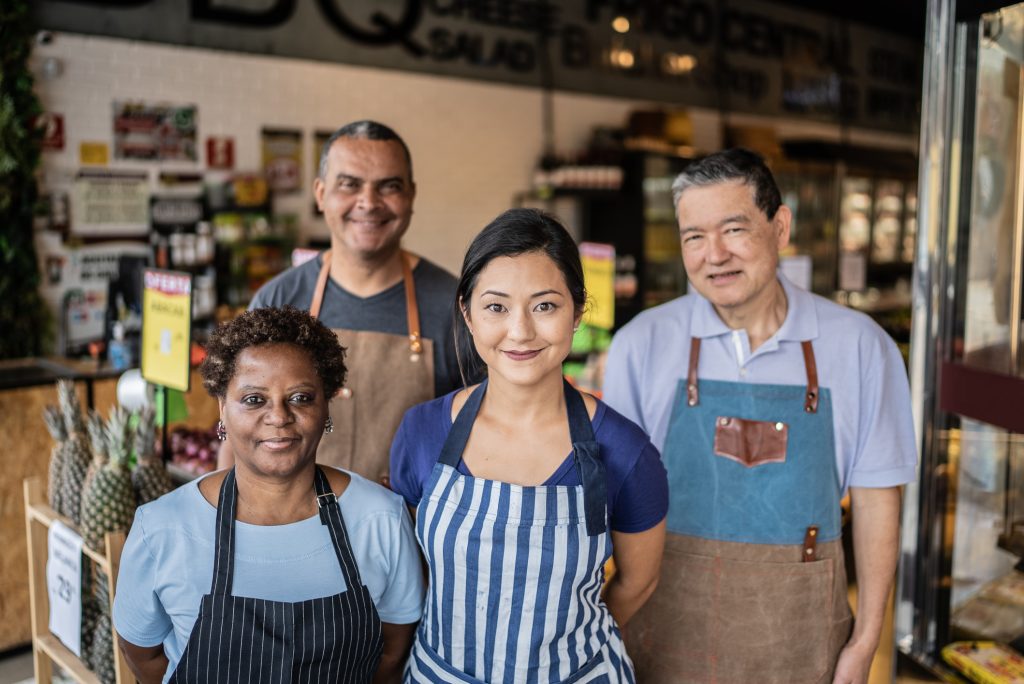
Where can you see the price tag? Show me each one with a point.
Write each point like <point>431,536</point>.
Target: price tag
<point>64,585</point>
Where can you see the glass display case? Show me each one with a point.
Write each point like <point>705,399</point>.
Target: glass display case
<point>962,578</point>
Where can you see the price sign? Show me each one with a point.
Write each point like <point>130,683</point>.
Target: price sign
<point>599,278</point>
<point>64,585</point>
<point>166,327</point>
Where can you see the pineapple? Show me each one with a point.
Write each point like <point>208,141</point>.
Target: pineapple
<point>150,477</point>
<point>98,441</point>
<point>100,653</point>
<point>55,425</point>
<point>76,454</point>
<point>108,505</point>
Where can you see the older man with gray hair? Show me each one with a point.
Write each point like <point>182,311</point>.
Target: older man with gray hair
<point>391,309</point>
<point>768,404</point>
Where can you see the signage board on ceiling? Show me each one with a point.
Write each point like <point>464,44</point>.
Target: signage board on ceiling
<point>747,56</point>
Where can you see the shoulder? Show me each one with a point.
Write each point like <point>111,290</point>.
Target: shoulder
<point>180,511</point>
<point>364,500</point>
<point>430,275</point>
<point>293,286</point>
<point>621,436</point>
<point>430,414</point>
<point>847,330</point>
<point>650,330</point>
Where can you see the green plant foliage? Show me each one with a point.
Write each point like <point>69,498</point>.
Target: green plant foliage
<point>23,315</point>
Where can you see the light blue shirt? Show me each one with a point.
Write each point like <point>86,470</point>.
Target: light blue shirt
<point>856,359</point>
<point>167,562</point>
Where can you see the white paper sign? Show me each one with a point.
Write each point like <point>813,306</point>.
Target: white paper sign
<point>853,271</point>
<point>64,585</point>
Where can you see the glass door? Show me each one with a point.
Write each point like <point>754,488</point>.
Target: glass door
<point>963,540</point>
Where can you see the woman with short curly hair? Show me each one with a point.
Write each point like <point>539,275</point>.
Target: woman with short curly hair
<point>277,566</point>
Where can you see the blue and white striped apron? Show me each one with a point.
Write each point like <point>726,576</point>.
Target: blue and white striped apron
<point>516,572</point>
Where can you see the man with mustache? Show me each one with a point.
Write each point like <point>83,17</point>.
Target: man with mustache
<point>391,309</point>
<point>768,404</point>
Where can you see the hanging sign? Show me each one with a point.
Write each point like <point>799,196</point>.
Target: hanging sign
<point>599,279</point>
<point>166,327</point>
<point>64,585</point>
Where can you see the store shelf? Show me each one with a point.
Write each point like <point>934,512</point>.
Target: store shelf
<point>47,649</point>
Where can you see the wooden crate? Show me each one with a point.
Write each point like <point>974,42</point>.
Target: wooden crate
<point>47,649</point>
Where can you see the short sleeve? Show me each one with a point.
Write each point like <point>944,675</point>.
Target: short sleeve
<point>139,617</point>
<point>622,374</point>
<point>402,600</point>
<point>642,499</point>
<point>886,454</point>
<point>406,478</point>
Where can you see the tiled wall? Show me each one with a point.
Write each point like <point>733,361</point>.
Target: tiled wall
<point>474,144</point>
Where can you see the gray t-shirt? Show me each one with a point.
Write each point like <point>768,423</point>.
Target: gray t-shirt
<point>383,312</point>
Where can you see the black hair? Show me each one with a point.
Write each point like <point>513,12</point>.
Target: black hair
<point>270,325</point>
<point>514,232</point>
<point>736,163</point>
<point>363,130</point>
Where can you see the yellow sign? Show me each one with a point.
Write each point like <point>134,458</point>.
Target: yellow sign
<point>166,328</point>
<point>94,153</point>
<point>599,278</point>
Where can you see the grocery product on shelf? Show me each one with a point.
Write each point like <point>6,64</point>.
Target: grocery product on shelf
<point>193,451</point>
<point>985,662</point>
<point>98,442</point>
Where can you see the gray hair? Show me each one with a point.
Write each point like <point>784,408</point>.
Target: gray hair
<point>733,164</point>
<point>363,130</point>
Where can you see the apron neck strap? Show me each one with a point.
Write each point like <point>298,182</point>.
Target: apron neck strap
<point>224,543</point>
<point>412,311</point>
<point>330,515</point>
<point>810,398</point>
<point>692,395</point>
<point>585,448</point>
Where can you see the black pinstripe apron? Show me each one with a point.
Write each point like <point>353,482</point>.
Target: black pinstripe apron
<point>237,639</point>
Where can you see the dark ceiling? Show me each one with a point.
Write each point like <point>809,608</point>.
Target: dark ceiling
<point>905,17</point>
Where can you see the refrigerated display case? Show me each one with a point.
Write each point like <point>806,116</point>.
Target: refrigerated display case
<point>961,573</point>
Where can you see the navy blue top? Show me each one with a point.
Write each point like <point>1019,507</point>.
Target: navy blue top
<point>637,484</point>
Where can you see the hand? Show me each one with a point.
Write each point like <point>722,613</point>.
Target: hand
<point>854,664</point>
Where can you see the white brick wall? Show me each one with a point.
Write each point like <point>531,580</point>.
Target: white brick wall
<point>474,144</point>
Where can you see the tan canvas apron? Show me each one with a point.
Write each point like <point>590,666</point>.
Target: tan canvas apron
<point>387,374</point>
<point>753,583</point>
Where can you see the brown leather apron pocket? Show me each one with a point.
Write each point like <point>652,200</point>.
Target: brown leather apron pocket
<point>734,622</point>
<point>751,442</point>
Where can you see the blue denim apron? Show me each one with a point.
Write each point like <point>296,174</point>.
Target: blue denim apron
<point>753,585</point>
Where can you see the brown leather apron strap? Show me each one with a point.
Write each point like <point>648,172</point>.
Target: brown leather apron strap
<point>412,310</point>
<point>811,401</point>
<point>321,284</point>
<point>692,397</point>
<point>810,544</point>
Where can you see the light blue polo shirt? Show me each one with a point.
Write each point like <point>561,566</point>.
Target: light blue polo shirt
<point>167,562</point>
<point>856,359</point>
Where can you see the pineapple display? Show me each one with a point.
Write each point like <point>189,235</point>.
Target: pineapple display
<point>150,477</point>
<point>55,425</point>
<point>76,453</point>
<point>108,504</point>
